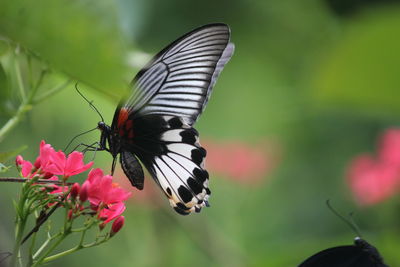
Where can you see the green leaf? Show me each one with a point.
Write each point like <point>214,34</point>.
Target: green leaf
<point>361,71</point>
<point>4,156</point>
<point>4,46</point>
<point>4,89</point>
<point>4,168</point>
<point>80,38</point>
<point>3,80</point>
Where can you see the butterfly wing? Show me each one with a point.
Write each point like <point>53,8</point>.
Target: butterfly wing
<point>155,122</point>
<point>342,256</point>
<point>171,152</point>
<point>179,80</point>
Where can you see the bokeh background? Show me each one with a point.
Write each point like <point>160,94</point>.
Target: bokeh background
<point>312,85</point>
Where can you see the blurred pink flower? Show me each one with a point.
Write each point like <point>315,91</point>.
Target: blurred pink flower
<point>240,161</point>
<point>373,180</point>
<point>389,147</point>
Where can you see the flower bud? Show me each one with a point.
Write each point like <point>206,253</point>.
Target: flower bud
<point>47,175</point>
<point>83,193</point>
<point>102,226</point>
<point>75,190</point>
<point>70,215</point>
<point>37,163</point>
<point>19,160</point>
<point>117,225</point>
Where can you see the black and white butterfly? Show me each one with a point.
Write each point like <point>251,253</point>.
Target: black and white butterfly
<point>361,254</point>
<point>154,125</point>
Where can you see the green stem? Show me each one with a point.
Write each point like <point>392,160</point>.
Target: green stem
<point>20,224</point>
<point>16,251</point>
<point>53,247</point>
<point>72,250</point>
<point>20,83</point>
<point>44,245</point>
<point>12,122</point>
<point>51,92</point>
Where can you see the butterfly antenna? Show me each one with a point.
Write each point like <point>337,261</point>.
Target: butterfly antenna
<point>350,222</point>
<point>90,102</point>
<point>356,228</point>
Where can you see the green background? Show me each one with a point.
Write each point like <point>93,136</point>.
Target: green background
<point>317,78</point>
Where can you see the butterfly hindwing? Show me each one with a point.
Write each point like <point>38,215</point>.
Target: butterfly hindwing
<point>170,150</point>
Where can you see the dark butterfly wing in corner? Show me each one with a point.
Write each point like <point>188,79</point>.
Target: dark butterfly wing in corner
<point>361,254</point>
<point>155,122</point>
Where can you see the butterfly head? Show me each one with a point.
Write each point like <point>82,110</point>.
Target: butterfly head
<point>102,126</point>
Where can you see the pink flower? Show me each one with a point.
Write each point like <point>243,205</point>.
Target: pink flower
<point>57,189</point>
<point>112,211</point>
<point>375,180</point>
<point>102,189</point>
<point>59,164</point>
<point>372,181</point>
<point>240,161</point>
<point>105,196</point>
<point>24,166</point>
<point>45,153</point>
<point>389,147</point>
<point>117,225</point>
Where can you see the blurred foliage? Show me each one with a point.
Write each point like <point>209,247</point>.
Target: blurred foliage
<point>319,84</point>
<point>361,70</point>
<point>74,36</point>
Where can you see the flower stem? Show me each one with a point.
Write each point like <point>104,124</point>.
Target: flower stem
<point>20,226</point>
<point>20,222</point>
<point>53,247</point>
<point>12,122</point>
<point>39,181</point>
<point>44,245</point>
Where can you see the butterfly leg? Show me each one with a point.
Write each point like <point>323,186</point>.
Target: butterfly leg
<point>113,165</point>
<point>92,147</point>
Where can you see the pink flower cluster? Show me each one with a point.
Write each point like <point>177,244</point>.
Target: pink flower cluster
<point>105,198</point>
<point>50,163</point>
<point>374,179</point>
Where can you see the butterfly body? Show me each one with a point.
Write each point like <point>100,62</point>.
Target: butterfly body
<point>361,254</point>
<point>153,127</point>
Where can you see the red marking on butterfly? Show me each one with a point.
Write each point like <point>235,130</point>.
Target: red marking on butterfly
<point>122,117</point>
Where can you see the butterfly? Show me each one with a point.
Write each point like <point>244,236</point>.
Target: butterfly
<point>154,125</point>
<point>361,254</point>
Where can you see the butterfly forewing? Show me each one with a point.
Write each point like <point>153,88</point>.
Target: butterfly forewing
<point>155,123</point>
<point>179,80</point>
